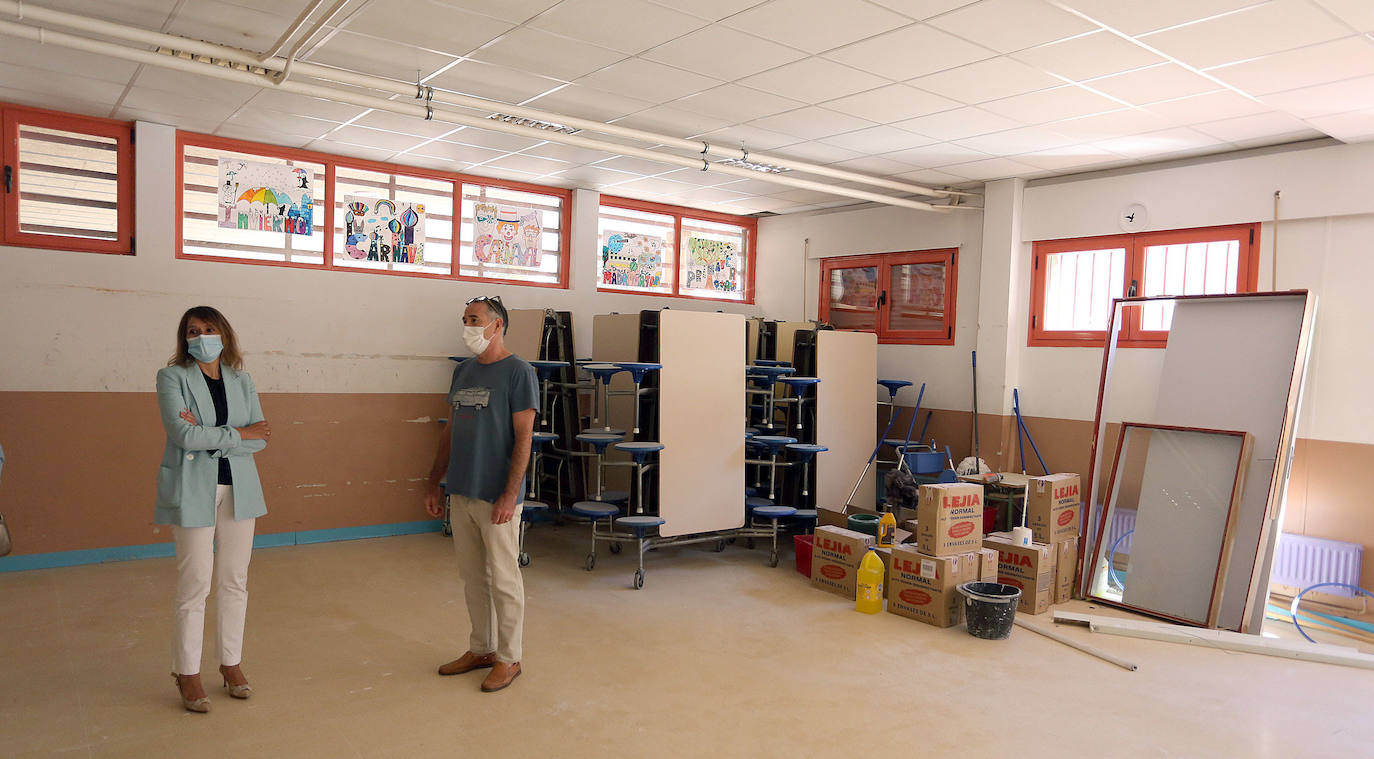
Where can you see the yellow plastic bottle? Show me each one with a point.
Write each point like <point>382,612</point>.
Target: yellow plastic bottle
<point>868,597</point>
<point>887,530</point>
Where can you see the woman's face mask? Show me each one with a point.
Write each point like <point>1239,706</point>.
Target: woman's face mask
<point>205,348</point>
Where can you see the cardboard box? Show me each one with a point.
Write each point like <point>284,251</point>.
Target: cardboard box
<point>1065,563</point>
<point>1052,507</point>
<point>925,588</point>
<point>831,518</point>
<point>1030,568</point>
<point>835,556</point>
<point>950,518</point>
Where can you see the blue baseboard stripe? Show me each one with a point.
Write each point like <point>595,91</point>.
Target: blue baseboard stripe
<point>164,550</point>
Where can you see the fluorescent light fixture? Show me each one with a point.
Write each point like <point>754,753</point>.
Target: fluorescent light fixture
<point>548,126</point>
<point>765,168</point>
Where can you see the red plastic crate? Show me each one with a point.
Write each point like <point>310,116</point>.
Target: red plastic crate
<point>802,543</point>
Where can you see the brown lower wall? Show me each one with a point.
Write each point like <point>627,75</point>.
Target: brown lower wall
<point>1325,499</point>
<point>80,468</point>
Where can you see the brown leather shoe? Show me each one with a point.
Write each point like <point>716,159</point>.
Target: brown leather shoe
<point>467,663</point>
<point>501,676</point>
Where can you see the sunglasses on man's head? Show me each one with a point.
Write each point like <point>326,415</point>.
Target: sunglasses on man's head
<point>496,298</point>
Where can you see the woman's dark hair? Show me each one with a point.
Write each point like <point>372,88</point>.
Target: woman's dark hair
<point>209,315</point>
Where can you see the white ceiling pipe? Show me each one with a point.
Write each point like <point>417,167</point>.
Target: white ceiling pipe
<point>291,30</point>
<point>300,43</point>
<point>163,60</point>
<point>159,39</point>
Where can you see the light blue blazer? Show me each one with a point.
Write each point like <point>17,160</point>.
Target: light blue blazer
<point>188,475</point>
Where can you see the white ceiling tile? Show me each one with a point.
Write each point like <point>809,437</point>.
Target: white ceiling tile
<point>1284,139</point>
<point>812,122</point>
<point>991,79</point>
<point>1136,18</point>
<point>1072,157</point>
<point>427,23</point>
<point>204,126</point>
<point>77,87</point>
<point>337,147</point>
<point>638,166</point>
<point>587,103</point>
<point>228,24</point>
<point>894,102</point>
<point>697,177</point>
<point>992,168</point>
<point>630,26</point>
<point>494,140</point>
<point>148,14</point>
<point>33,55</point>
<point>597,175</point>
<point>1155,144</point>
<point>278,138</point>
<point>315,108</point>
<point>760,205</point>
<point>495,173</point>
<point>1354,126</point>
<point>267,122</point>
<point>1325,99</point>
<point>485,80</point>
<point>722,53</point>
<point>379,57</point>
<point>568,153</point>
<point>937,178</point>
<point>166,102</point>
<point>1249,33</point>
<point>675,122</point>
<point>711,195</point>
<point>1062,102</point>
<point>547,54</point>
<point>960,122</point>
<point>1165,81</point>
<point>452,151</point>
<point>804,196</point>
<point>1088,56</point>
<point>736,104</point>
<point>1253,127</point>
<point>813,80</point>
<point>878,139</point>
<point>810,25</point>
<point>1328,62</point>
<point>528,163</point>
<point>514,11</point>
<point>910,52</point>
<point>647,80</point>
<point>874,166</point>
<point>175,81</point>
<point>1359,14</point>
<point>921,10</point>
<point>938,154</point>
<point>395,122</point>
<point>752,187</point>
<point>656,185</point>
<point>374,138</point>
<point>711,10</point>
<point>1009,25</point>
<point>751,138</point>
<point>1014,141</point>
<point>1102,126</point>
<point>430,162</point>
<point>817,152</point>
<point>1209,106</point>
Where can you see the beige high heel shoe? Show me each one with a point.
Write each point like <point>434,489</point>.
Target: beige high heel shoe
<point>199,705</point>
<point>237,691</point>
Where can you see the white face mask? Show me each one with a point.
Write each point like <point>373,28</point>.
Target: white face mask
<point>475,338</point>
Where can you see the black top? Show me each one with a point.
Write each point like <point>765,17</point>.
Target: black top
<point>221,400</point>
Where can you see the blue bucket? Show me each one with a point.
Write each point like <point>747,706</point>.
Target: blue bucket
<point>924,461</point>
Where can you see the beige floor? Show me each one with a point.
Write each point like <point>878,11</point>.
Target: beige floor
<point>717,656</point>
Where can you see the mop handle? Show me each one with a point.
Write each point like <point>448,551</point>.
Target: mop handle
<point>1016,407</point>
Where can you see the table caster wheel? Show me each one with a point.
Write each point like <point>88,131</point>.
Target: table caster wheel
<point>615,548</point>
<point>720,546</point>
<point>591,562</point>
<point>749,543</point>
<point>524,559</point>
<point>639,579</point>
<point>773,559</point>
<point>448,530</point>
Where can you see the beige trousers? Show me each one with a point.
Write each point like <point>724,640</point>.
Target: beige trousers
<point>489,565</point>
<point>196,555</point>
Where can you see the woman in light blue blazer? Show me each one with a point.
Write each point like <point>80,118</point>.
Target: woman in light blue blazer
<point>208,491</point>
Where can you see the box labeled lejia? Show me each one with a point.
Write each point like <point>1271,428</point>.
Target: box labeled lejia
<point>950,518</point>
<point>1052,507</point>
<point>1030,568</point>
<point>1065,562</point>
<point>835,556</point>
<point>925,588</point>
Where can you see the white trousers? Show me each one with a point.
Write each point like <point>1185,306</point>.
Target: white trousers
<point>195,560</point>
<point>489,564</point>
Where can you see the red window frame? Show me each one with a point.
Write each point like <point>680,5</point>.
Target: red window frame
<point>1132,336</point>
<point>331,163</point>
<point>122,132</point>
<point>884,262</point>
<point>749,223</point>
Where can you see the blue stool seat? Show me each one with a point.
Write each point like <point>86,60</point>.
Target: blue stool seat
<point>640,523</point>
<point>774,512</point>
<point>594,509</point>
<point>750,491</point>
<point>639,449</point>
<point>546,369</point>
<point>771,362</point>
<point>768,373</point>
<point>749,434</point>
<point>773,442</point>
<point>805,514</point>
<point>603,372</point>
<point>458,359</point>
<point>799,382</point>
<point>619,433</point>
<point>600,440</point>
<point>806,450</point>
<point>893,386</point>
<point>753,503</point>
<point>615,496</point>
<point>533,506</point>
<point>539,438</point>
<point>638,369</point>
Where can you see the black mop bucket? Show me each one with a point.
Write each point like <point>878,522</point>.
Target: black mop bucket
<point>989,608</point>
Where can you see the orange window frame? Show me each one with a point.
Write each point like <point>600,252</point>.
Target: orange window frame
<point>1132,336</point>
<point>885,262</point>
<point>331,163</point>
<point>751,234</point>
<point>122,132</point>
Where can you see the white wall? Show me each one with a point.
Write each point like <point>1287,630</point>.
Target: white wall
<point>90,322</point>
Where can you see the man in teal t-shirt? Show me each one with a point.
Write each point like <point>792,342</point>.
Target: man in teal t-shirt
<point>492,398</point>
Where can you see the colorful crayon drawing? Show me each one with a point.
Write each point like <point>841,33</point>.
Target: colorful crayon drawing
<point>265,197</point>
<point>508,235</point>
<point>712,265</point>
<point>632,260</point>
<point>384,230</point>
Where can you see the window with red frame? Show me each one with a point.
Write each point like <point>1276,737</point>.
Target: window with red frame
<point>346,190</point>
<point>654,249</point>
<point>1075,281</point>
<point>68,181</point>
<point>906,297</point>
